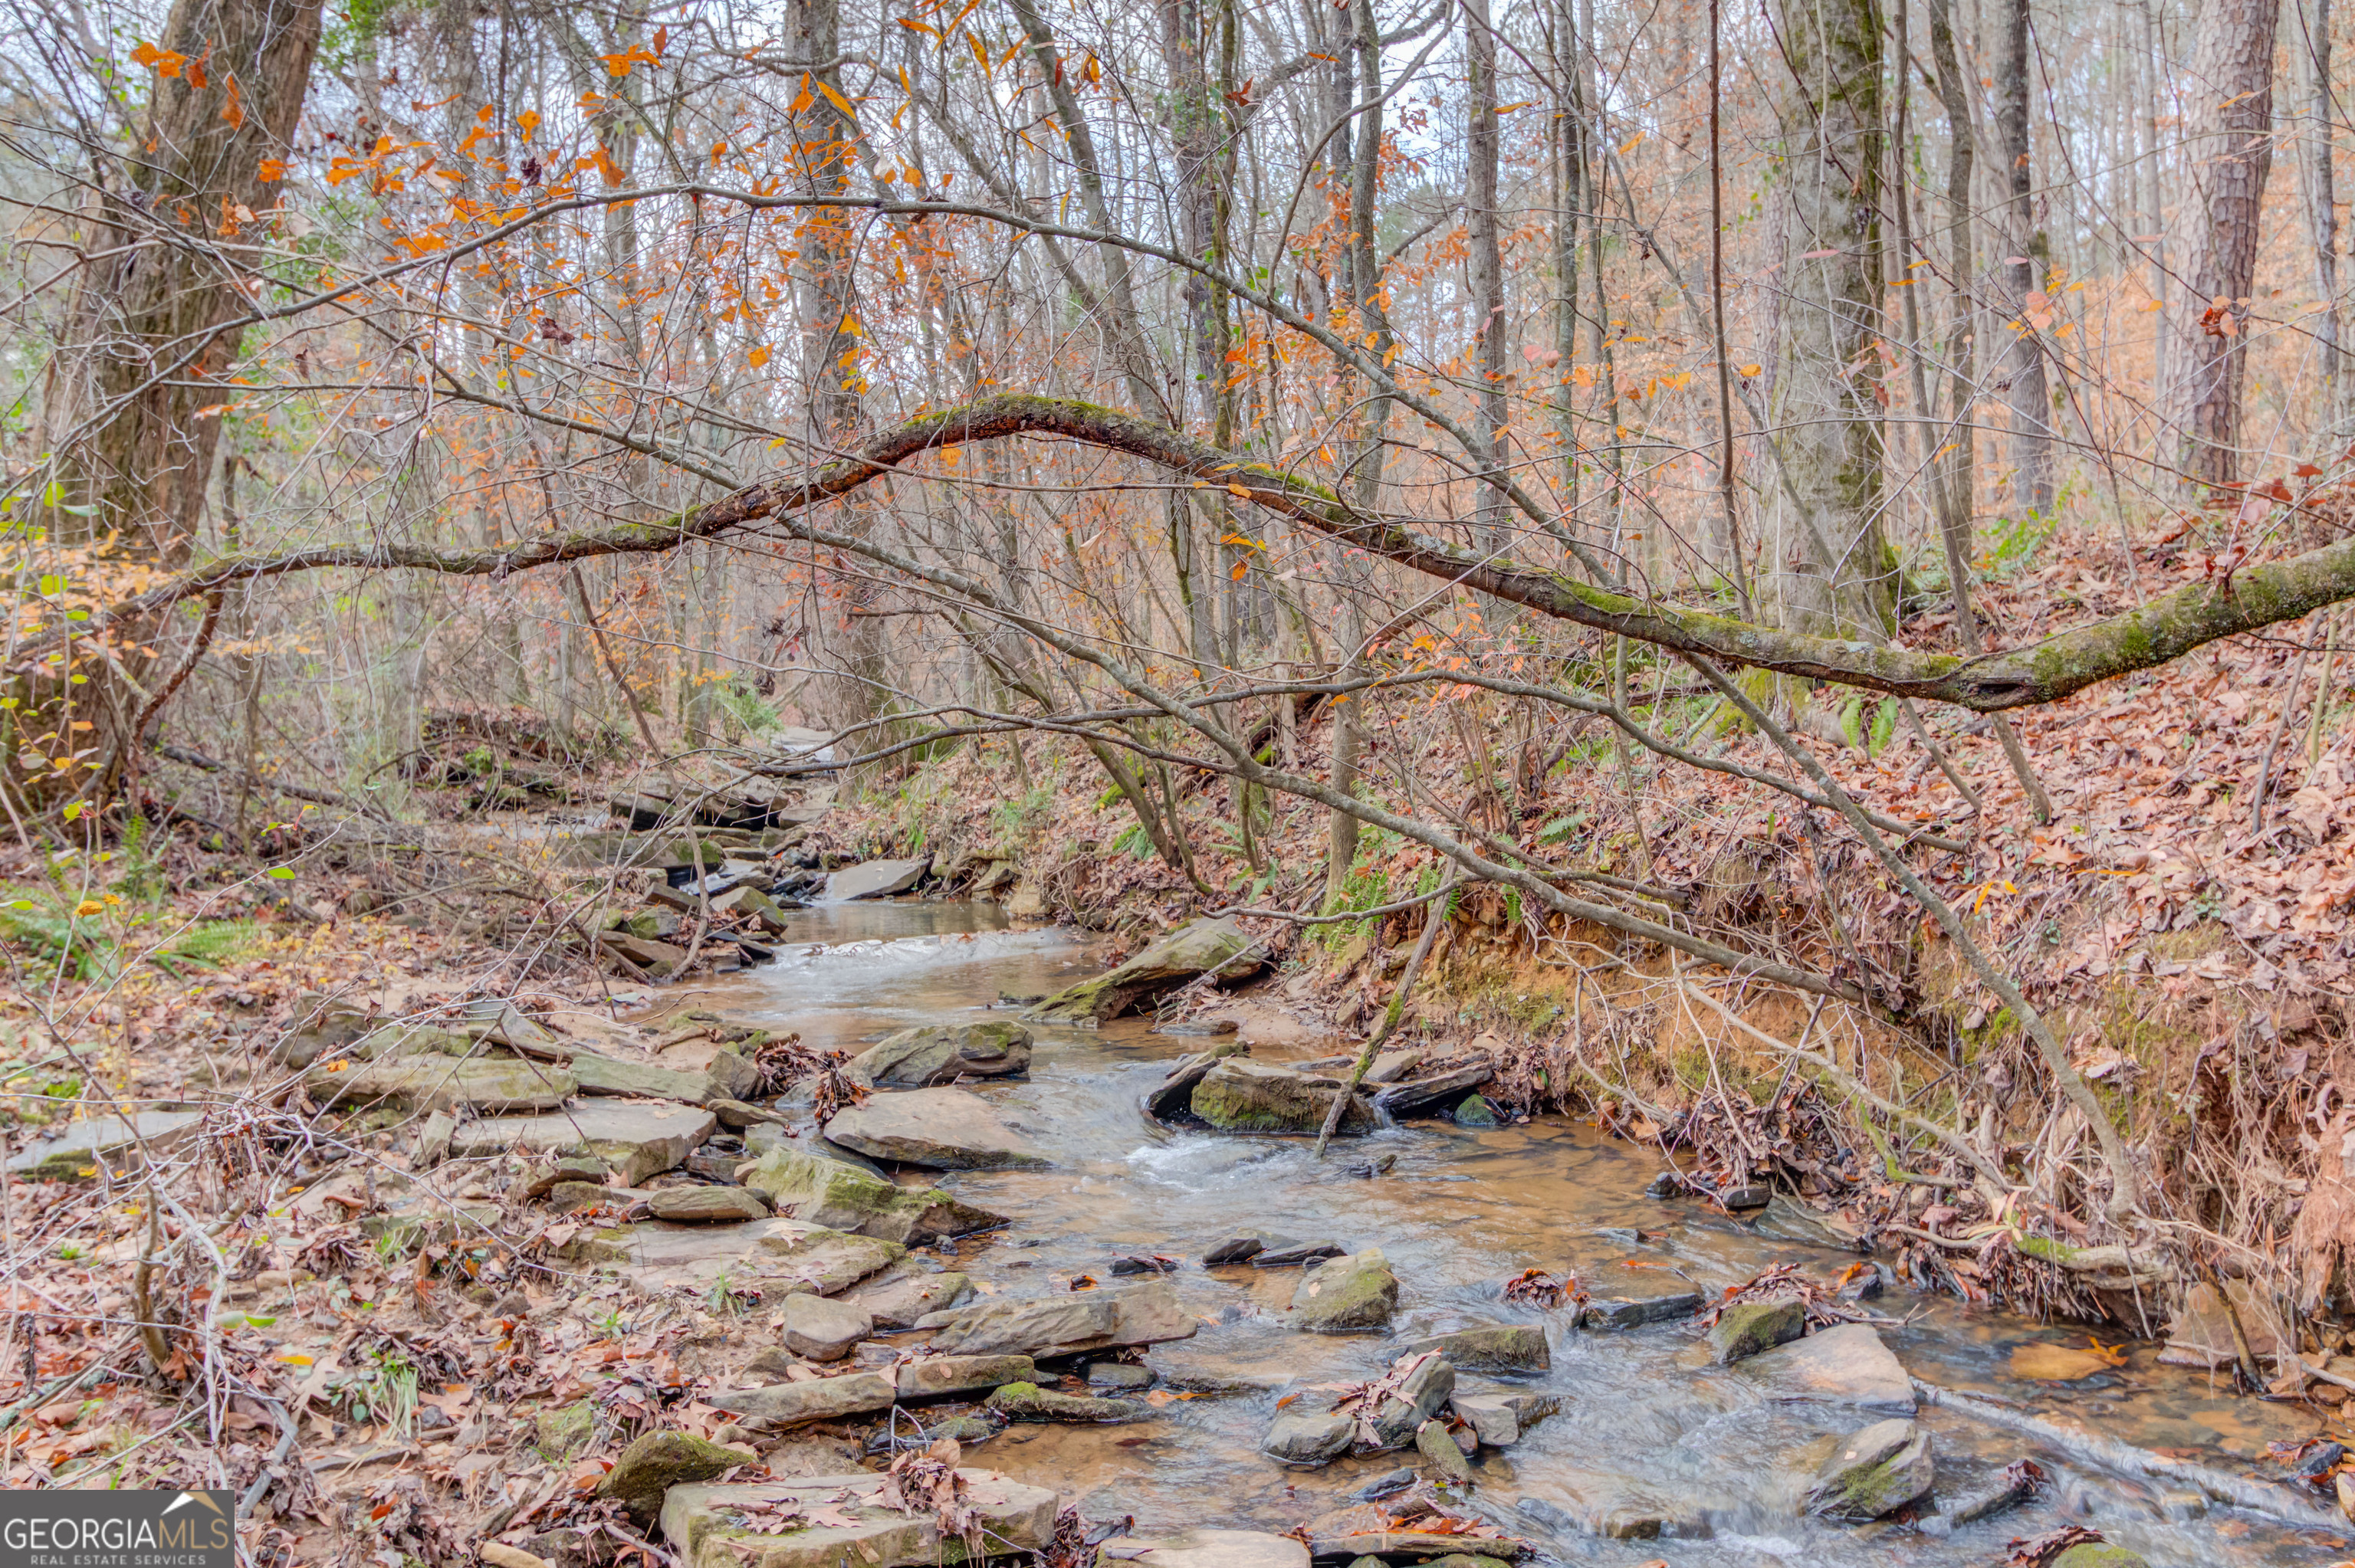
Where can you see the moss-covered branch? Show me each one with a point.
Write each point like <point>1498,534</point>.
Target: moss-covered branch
<point>2162,631</point>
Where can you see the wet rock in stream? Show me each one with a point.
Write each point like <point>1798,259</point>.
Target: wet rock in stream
<point>1873,1473</point>
<point>1203,1548</point>
<point>821,1399</point>
<point>941,1129</point>
<point>1174,1095</point>
<point>1440,1451</point>
<point>1190,951</point>
<point>1490,1347</point>
<point>1308,1437</point>
<point>1845,1365</point>
<point>898,1303</point>
<point>1354,1294</point>
<point>1061,1326</point>
<point>1747,1327</point>
<point>1239,1096</point>
<point>1498,1419</point>
<point>939,1377</point>
<point>875,878</point>
<point>1029,1401</point>
<point>933,1054</point>
<point>846,1198</point>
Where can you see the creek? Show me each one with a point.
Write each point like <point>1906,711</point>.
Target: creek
<point>1647,1427</point>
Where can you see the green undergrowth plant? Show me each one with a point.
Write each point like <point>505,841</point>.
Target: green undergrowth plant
<point>98,915</point>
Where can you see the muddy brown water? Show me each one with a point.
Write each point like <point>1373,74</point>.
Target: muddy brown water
<point>1647,1424</point>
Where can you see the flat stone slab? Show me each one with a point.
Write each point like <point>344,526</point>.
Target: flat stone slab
<point>710,1526</point>
<point>708,1205</point>
<point>941,1129</point>
<point>820,1329</point>
<point>1846,1365</point>
<point>1208,1549</point>
<point>898,1303</point>
<point>431,1083</point>
<point>934,1377</point>
<point>611,1075</point>
<point>1241,1096</point>
<point>819,1399</point>
<point>1063,1325</point>
<point>877,879</point>
<point>638,1140</point>
<point>104,1142</point>
<point>776,1253</point>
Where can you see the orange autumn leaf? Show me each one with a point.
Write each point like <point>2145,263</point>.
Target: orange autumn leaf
<point>233,109</point>
<point>758,356</point>
<point>271,171</point>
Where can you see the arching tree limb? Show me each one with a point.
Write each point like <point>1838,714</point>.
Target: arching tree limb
<point>2164,630</point>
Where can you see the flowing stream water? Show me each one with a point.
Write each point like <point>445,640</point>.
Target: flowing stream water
<point>1646,1424</point>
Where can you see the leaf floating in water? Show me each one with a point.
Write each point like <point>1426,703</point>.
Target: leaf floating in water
<point>2059,1363</point>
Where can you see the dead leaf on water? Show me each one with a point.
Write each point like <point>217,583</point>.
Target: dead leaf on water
<point>2059,1363</point>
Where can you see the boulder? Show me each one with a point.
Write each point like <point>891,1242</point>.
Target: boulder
<point>707,1205</point>
<point>103,1143</point>
<point>1490,1347</point>
<point>709,1527</point>
<point>1873,1473</point>
<point>1303,1437</point>
<point>898,1303</point>
<point>658,1461</point>
<point>1063,1325</point>
<point>1175,1093</point>
<point>1475,1111</point>
<point>564,1430</point>
<point>1353,1294</point>
<point>1029,1401</point>
<point>637,1140</point>
<point>877,878</point>
<point>734,1075</point>
<point>1498,1419</point>
<point>1240,1247</point>
<point>1203,1548</point>
<point>481,1084</point>
<point>1179,956</point>
<point>937,1377</point>
<point>942,1129</point>
<point>820,1329</point>
<point>1280,1254</point>
<point>820,1399</point>
<point>589,1168</point>
<point>641,1080</point>
<point>1846,1365</point>
<point>1640,1301</point>
<point>1120,1377</point>
<point>1425,1383</point>
<point>1239,1096</point>
<point>944,1053</point>
<point>1440,1450</point>
<point>1746,1328</point>
<point>741,1114</point>
<point>844,1198</point>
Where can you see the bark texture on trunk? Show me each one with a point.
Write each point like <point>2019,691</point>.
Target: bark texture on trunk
<point>1830,571</point>
<point>1488,259</point>
<point>2026,256</point>
<point>2318,178</point>
<point>2228,150</point>
<point>203,169</point>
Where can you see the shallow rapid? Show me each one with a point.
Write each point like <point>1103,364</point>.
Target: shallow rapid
<point>1647,1427</point>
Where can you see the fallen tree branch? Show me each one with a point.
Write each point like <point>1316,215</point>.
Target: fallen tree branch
<point>2164,630</point>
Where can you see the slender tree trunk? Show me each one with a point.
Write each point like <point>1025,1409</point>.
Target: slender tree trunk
<point>1831,568</point>
<point>1487,260</point>
<point>2311,49</point>
<point>2228,153</point>
<point>2026,256</point>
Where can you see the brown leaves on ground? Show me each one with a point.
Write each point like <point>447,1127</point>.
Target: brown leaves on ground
<point>1783,1282</point>
<point>925,1481</point>
<point>1535,1288</point>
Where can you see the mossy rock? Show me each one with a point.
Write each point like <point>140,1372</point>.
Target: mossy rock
<point>1355,1294</point>
<point>661,1460</point>
<point>1029,1401</point>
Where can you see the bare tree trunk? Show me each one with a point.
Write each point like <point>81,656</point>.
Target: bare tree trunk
<point>2026,257</point>
<point>1831,565</point>
<point>2228,153</point>
<point>2312,52</point>
<point>1487,260</point>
